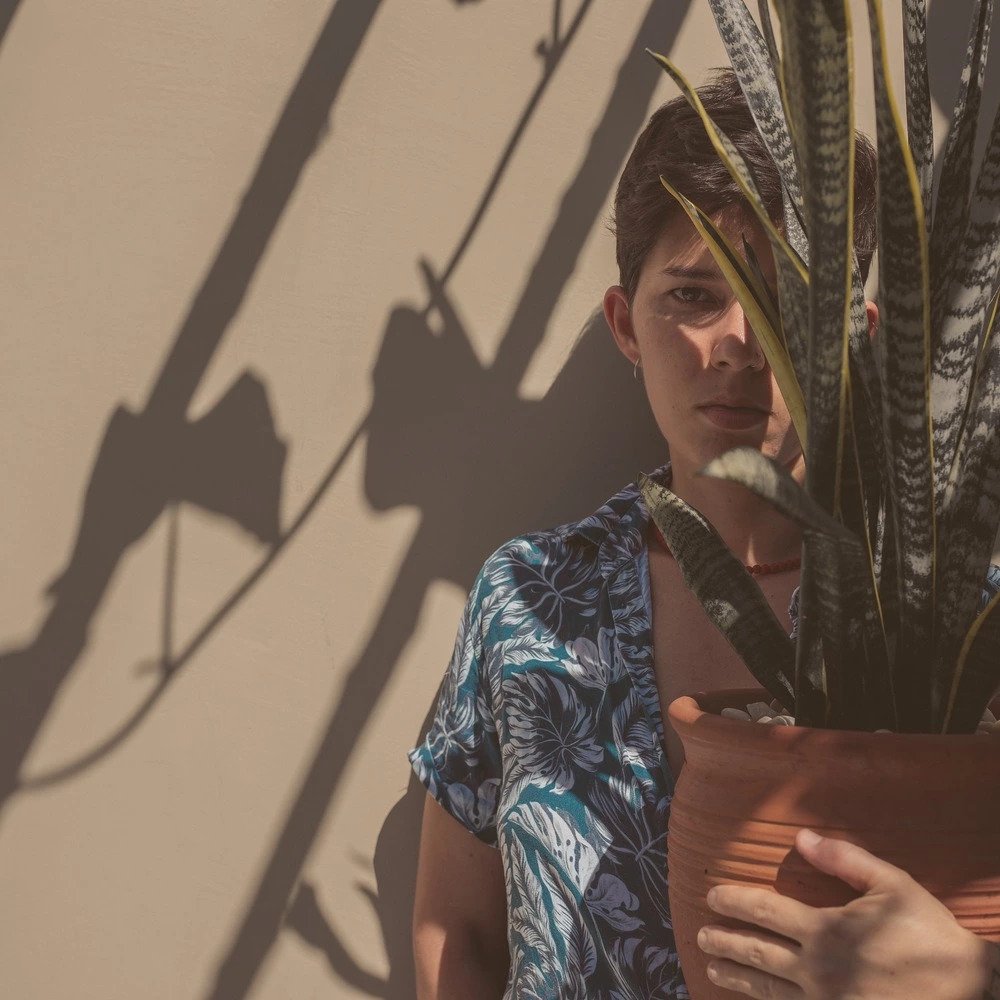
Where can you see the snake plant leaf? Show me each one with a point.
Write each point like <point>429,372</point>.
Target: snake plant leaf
<point>767,30</point>
<point>904,285</point>
<point>793,304</point>
<point>951,209</point>
<point>846,607</point>
<point>874,517</point>
<point>755,307</point>
<point>867,478</point>
<point>763,476</point>
<point>751,61</point>
<point>919,125</point>
<point>865,385</point>
<point>817,65</point>
<point>812,696</point>
<point>763,287</point>
<point>960,332</point>
<point>973,515</point>
<point>865,406</point>
<point>794,275</point>
<point>729,594</point>
<point>738,170</point>
<point>855,653</point>
<point>978,675</point>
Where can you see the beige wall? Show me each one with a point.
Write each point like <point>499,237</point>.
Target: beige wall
<point>265,452</point>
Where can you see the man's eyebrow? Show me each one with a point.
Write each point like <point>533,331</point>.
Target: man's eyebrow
<point>693,273</point>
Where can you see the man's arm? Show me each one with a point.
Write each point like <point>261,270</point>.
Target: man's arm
<point>459,913</point>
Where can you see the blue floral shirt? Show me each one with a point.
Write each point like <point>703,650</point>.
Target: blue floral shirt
<point>547,743</point>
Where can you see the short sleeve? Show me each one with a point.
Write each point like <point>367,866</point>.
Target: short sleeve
<point>459,760</point>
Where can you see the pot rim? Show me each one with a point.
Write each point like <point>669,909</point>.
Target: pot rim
<point>697,717</point>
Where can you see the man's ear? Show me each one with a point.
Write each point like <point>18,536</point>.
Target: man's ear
<point>872,311</point>
<point>619,320</point>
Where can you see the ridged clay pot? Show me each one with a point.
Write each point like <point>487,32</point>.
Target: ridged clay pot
<point>928,804</point>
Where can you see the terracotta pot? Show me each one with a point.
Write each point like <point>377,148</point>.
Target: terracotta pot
<point>928,804</point>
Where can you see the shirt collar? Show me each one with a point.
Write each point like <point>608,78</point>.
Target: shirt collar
<point>617,528</point>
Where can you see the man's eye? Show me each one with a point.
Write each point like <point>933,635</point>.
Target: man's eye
<point>693,296</point>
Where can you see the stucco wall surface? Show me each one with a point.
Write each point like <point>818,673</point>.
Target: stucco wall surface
<point>299,324</point>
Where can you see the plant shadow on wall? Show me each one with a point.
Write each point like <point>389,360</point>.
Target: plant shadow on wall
<point>458,442</point>
<point>435,441</point>
<point>452,437</point>
<point>231,462</point>
<point>8,8</point>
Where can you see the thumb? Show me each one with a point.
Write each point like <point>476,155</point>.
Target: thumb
<point>860,869</point>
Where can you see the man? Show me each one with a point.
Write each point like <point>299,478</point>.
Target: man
<point>550,743</point>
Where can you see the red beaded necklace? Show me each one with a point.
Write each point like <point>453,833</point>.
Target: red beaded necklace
<point>757,569</point>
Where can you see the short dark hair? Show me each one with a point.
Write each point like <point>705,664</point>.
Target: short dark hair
<point>674,143</point>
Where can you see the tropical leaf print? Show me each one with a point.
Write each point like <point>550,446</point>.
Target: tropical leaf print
<point>612,901</point>
<point>594,665</point>
<point>545,743</point>
<point>550,729</point>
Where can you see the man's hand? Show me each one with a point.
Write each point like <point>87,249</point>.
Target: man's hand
<point>895,942</point>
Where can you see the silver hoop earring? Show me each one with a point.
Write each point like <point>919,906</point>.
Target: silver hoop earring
<point>635,371</point>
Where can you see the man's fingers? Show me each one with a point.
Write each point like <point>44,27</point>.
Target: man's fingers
<point>851,864</point>
<point>752,982</point>
<point>777,956</point>
<point>767,909</point>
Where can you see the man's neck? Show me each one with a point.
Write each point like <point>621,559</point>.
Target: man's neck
<point>751,528</point>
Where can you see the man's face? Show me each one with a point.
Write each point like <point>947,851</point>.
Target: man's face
<point>695,344</point>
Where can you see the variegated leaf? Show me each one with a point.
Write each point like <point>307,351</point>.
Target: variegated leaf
<point>751,62</point>
<point>972,517</point>
<point>817,64</point>
<point>767,30</point>
<point>865,406</point>
<point>951,208</point>
<point>755,305</point>
<point>904,301</point>
<point>855,656</point>
<point>812,701</point>
<point>918,100</point>
<point>787,261</point>
<point>764,477</point>
<point>728,593</point>
<point>959,336</point>
<point>846,612</point>
<point>977,677</point>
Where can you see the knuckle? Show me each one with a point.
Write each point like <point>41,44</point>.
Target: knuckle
<point>762,911</point>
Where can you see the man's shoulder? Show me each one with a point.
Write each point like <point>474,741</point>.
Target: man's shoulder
<point>586,534</point>
<point>570,551</point>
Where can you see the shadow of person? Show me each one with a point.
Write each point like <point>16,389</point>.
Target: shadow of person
<point>484,467</point>
<point>454,437</point>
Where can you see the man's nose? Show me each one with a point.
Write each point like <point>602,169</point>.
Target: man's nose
<point>737,346</point>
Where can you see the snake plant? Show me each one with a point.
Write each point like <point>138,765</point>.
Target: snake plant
<point>901,501</point>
